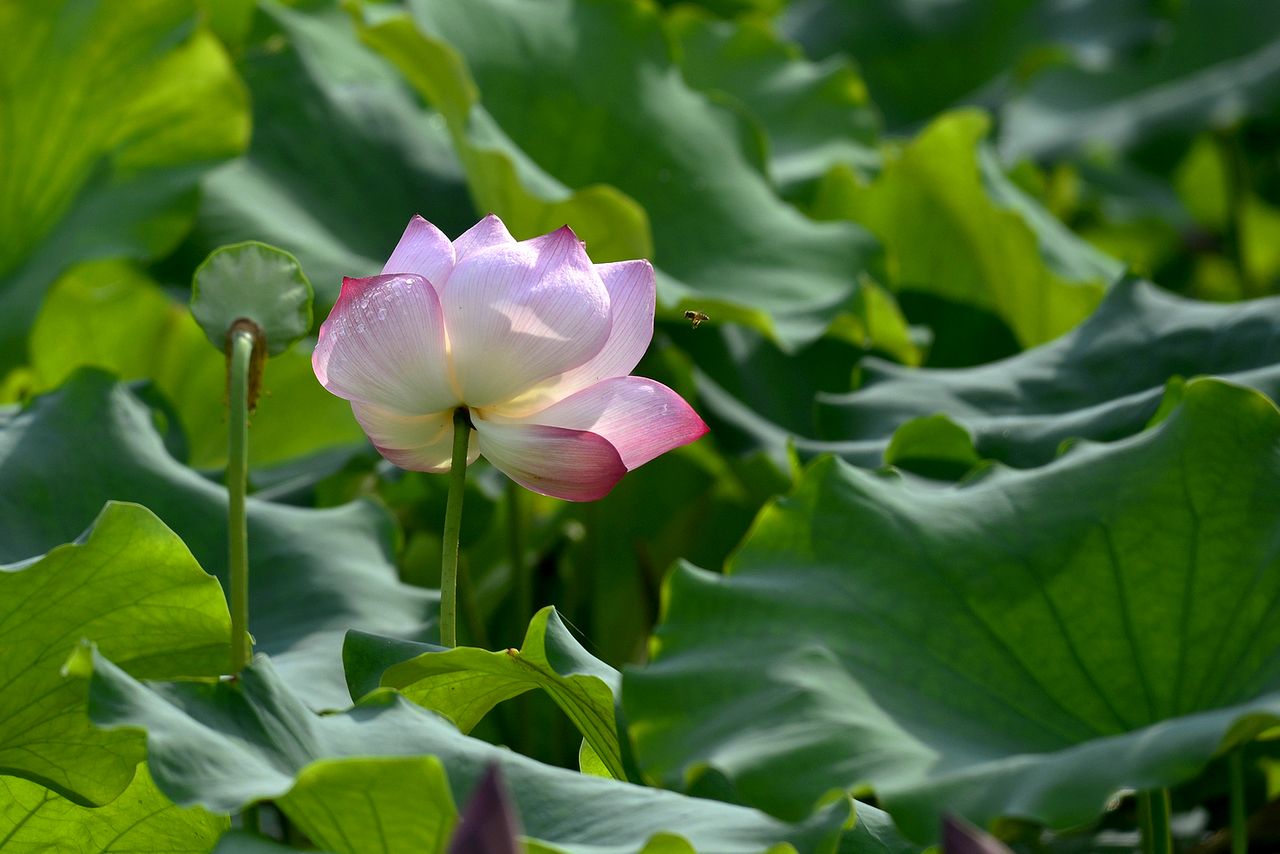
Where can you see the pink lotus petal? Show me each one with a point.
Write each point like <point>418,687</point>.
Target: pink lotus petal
<point>489,231</point>
<point>571,464</point>
<point>518,314</point>
<point>414,442</point>
<point>384,344</point>
<point>632,297</point>
<point>423,249</point>
<point>640,417</point>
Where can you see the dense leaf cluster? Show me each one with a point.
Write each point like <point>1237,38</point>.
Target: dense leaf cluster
<point>988,523</point>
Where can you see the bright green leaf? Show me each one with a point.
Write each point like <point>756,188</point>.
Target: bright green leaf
<point>465,684</point>
<point>34,820</point>
<point>343,805</point>
<point>1025,644</point>
<point>130,586</point>
<point>110,115</point>
<point>109,315</point>
<point>947,236</point>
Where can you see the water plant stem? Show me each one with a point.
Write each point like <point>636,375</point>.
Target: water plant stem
<point>1239,812</point>
<point>452,529</point>
<point>1157,836</point>
<point>239,354</point>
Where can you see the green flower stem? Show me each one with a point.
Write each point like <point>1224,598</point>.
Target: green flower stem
<point>1239,812</point>
<point>240,353</point>
<point>1157,837</point>
<point>452,528</point>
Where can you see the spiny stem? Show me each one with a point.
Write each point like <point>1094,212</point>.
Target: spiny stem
<point>1239,811</point>
<point>239,352</point>
<point>452,529</point>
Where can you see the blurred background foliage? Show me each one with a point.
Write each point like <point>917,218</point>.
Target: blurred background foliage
<point>886,207</point>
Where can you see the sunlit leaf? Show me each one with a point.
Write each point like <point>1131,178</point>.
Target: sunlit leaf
<point>465,684</point>
<point>109,116</point>
<point>946,236</point>
<point>132,587</point>
<point>109,315</point>
<point>34,820</point>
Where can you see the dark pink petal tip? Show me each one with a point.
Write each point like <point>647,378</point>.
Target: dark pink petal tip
<point>573,465</point>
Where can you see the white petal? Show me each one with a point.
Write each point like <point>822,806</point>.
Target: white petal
<point>384,344</point>
<point>415,442</point>
<point>423,249</point>
<point>632,295</point>
<point>489,231</point>
<point>522,313</point>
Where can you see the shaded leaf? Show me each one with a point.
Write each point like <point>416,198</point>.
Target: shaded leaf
<point>1220,65</point>
<point>238,743</point>
<point>1103,381</point>
<point>131,586</point>
<point>814,115</point>
<point>960,837</point>
<point>1025,644</point>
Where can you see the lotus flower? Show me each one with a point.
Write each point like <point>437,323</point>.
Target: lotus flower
<point>531,337</point>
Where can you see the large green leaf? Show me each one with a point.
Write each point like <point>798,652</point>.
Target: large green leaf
<point>1025,644</point>
<point>1103,381</point>
<point>342,153</point>
<point>343,805</point>
<point>236,743</point>
<point>557,95</point>
<point>134,588</point>
<point>947,236</point>
<point>1221,64</point>
<point>464,684</point>
<point>814,115</point>
<point>110,315</point>
<point>34,820</point>
<point>919,57</point>
<point>109,115</point>
<point>313,573</point>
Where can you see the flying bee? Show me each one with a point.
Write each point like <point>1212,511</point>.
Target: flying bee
<point>695,318</point>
